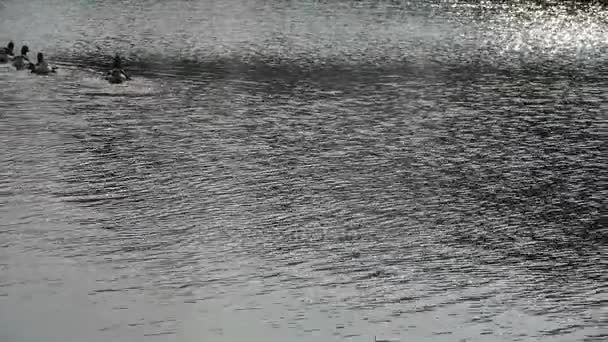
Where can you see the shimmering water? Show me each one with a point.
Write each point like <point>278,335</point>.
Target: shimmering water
<point>304,171</point>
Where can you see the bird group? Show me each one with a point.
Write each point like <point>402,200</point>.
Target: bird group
<point>22,62</point>
<point>41,67</point>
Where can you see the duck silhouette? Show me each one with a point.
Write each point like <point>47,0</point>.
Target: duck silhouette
<point>41,67</point>
<point>117,74</point>
<point>22,62</point>
<point>6,54</point>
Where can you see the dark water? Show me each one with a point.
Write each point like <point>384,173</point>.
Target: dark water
<point>304,171</point>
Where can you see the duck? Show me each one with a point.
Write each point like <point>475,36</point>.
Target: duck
<point>22,62</point>
<point>6,54</point>
<point>41,67</point>
<point>117,74</point>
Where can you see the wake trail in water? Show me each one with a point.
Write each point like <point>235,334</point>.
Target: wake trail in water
<point>260,68</point>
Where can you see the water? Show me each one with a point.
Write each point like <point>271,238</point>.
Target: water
<point>304,171</point>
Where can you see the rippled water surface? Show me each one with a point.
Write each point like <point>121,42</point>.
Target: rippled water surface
<point>304,171</point>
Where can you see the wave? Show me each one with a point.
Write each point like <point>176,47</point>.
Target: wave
<point>266,68</point>
<point>341,39</point>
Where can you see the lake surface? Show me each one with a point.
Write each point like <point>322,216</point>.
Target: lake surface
<point>304,171</point>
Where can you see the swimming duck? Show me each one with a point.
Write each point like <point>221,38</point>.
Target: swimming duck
<point>6,54</point>
<point>41,67</point>
<point>21,62</point>
<point>117,74</point>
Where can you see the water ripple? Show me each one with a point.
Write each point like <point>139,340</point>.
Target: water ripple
<point>324,172</point>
